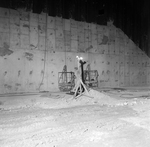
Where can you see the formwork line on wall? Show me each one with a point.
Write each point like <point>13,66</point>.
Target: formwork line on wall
<point>64,38</point>
<point>9,27</point>
<point>45,51</point>
<point>88,36</point>
<point>78,49</point>
<point>29,30</point>
<point>46,47</point>
<point>65,45</point>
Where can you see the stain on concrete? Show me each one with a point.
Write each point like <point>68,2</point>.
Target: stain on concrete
<point>17,24</point>
<point>69,59</point>
<point>31,72</point>
<point>42,72</point>
<point>25,25</point>
<point>39,27</point>
<point>104,40</point>
<point>7,86</point>
<point>108,72</point>
<point>5,73</point>
<point>28,56</point>
<point>108,63</point>
<point>6,14</point>
<point>19,73</point>
<point>5,50</point>
<point>18,84</point>
<point>32,46</point>
<point>1,103</point>
<point>40,85</point>
<point>18,58</point>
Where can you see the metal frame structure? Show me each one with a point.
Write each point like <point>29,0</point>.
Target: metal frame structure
<point>91,77</point>
<point>66,80</point>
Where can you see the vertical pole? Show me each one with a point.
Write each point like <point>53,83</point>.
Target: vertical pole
<point>82,71</point>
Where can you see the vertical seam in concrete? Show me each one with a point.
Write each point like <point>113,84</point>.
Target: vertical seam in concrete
<point>9,27</point>
<point>19,31</point>
<point>46,48</point>
<point>88,41</point>
<point>55,32</point>
<point>64,41</point>
<point>29,32</point>
<point>38,32</point>
<point>84,37</point>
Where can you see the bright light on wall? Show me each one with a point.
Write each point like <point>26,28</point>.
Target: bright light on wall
<point>79,58</point>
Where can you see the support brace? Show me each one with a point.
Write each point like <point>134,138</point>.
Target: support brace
<point>80,89</point>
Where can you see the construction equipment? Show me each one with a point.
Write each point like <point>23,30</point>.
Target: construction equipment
<point>66,80</point>
<point>80,88</point>
<point>90,77</point>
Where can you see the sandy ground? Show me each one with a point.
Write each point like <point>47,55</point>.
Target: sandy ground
<point>108,118</point>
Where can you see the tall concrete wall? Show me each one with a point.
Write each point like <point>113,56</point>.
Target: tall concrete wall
<point>34,48</point>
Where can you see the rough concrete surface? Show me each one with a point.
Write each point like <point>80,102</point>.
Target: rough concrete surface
<point>109,118</point>
<point>36,47</point>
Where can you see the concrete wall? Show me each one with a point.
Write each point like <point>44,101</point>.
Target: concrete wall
<point>34,48</point>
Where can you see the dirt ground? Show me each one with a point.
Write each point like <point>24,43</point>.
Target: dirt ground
<point>106,118</point>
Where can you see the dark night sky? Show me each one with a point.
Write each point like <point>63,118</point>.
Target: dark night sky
<point>132,16</point>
